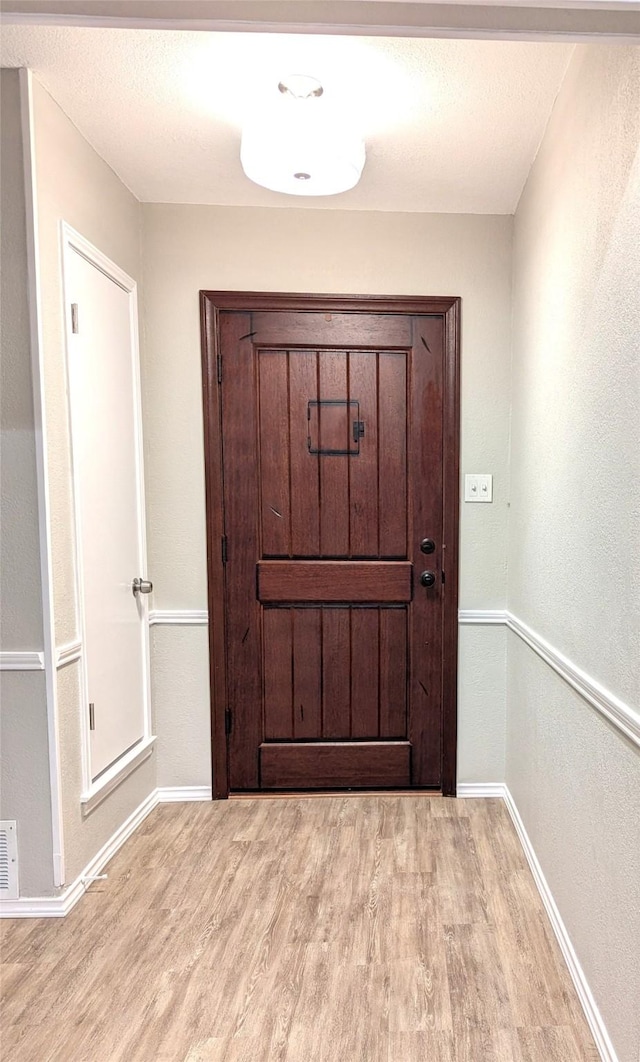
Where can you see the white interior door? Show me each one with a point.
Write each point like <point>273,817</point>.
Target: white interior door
<point>105,425</point>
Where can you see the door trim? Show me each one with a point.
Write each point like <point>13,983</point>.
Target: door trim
<point>93,792</point>
<point>211,303</point>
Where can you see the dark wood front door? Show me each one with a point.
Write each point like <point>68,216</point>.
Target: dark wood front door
<point>332,520</point>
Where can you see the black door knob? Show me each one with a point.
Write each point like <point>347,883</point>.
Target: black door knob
<point>427,545</point>
<point>428,579</point>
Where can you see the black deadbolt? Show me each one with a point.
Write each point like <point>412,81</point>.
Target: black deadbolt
<point>428,545</point>
<point>428,579</point>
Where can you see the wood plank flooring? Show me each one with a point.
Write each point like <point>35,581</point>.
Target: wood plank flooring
<point>345,929</point>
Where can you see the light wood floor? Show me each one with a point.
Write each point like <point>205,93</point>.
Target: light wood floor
<point>345,929</point>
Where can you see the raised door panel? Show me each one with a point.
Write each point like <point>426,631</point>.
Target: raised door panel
<point>335,673</point>
<point>333,453</point>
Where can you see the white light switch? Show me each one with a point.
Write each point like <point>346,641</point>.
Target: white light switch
<point>478,488</point>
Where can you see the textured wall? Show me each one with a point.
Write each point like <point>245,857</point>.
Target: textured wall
<point>24,751</point>
<point>188,248</point>
<point>574,552</point>
<point>75,185</point>
<point>21,614</point>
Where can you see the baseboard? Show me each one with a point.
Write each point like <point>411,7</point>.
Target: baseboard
<point>174,794</point>
<point>588,1003</point>
<point>481,789</point>
<point>592,1014</point>
<point>59,906</point>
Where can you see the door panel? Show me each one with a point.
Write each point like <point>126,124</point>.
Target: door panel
<point>336,765</point>
<point>277,636</point>
<point>275,480</point>
<point>351,500</point>
<point>333,459</point>
<point>335,673</point>
<point>333,438</point>
<point>365,672</point>
<point>393,665</point>
<point>341,331</point>
<point>363,484</point>
<point>333,581</point>
<point>104,422</point>
<point>307,711</point>
<point>392,459</point>
<point>305,483</point>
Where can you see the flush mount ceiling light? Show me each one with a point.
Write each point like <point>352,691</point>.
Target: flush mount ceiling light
<point>300,144</point>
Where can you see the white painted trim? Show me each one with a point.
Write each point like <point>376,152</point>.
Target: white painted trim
<point>196,616</point>
<point>174,794</point>
<point>93,793</point>
<point>621,715</point>
<point>116,774</point>
<point>74,239</point>
<point>68,654</point>
<point>588,1003</point>
<point>481,617</point>
<point>59,906</point>
<point>480,789</point>
<point>21,661</point>
<point>184,617</point>
<point>611,707</point>
<point>592,1014</point>
<point>42,471</point>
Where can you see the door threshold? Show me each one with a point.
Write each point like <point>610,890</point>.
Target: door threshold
<point>300,794</point>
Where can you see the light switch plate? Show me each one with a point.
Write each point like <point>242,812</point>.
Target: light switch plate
<point>478,488</point>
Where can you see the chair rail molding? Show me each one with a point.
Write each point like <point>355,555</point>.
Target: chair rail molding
<point>625,718</point>
<point>22,660</point>
<point>178,617</point>
<point>482,617</point>
<point>622,715</point>
<point>68,653</point>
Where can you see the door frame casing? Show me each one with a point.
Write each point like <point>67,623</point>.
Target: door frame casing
<point>211,304</point>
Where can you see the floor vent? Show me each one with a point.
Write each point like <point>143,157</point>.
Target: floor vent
<point>8,860</point>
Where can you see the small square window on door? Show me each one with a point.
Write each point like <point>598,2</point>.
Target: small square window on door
<point>335,428</point>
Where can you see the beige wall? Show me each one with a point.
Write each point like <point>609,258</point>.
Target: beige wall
<point>24,750</point>
<point>75,185</point>
<point>574,552</point>
<point>187,248</point>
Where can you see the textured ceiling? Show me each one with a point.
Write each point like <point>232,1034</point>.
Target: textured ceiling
<point>450,125</point>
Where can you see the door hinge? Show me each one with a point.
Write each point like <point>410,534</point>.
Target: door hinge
<point>92,716</point>
<point>223,549</point>
<point>442,574</point>
<point>227,721</point>
<point>219,367</point>
<point>74,318</point>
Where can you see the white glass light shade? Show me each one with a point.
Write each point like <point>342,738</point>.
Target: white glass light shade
<point>300,147</point>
